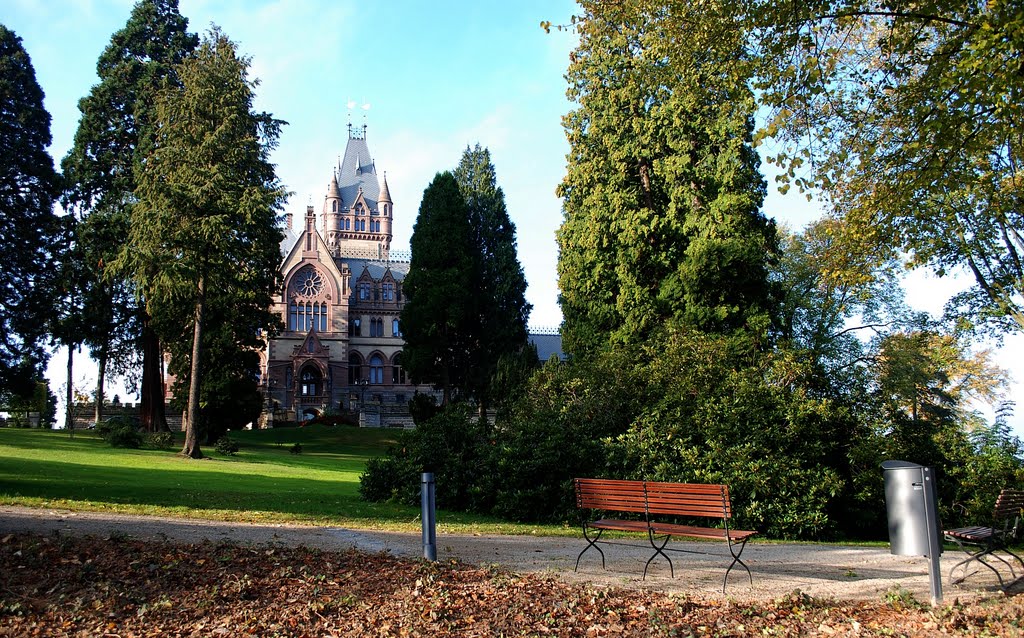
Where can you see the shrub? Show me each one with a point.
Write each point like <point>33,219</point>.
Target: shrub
<point>160,440</point>
<point>120,431</point>
<point>226,446</point>
<point>451,445</point>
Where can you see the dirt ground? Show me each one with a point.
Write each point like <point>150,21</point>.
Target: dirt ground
<point>824,571</point>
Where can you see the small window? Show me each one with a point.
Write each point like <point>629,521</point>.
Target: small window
<point>395,328</point>
<point>388,291</point>
<point>356,327</point>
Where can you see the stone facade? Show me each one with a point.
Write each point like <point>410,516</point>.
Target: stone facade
<point>341,346</point>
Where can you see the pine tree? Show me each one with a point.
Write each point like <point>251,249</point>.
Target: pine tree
<point>28,227</point>
<point>113,136</point>
<point>440,313</point>
<point>663,192</point>
<point>503,311</point>
<point>203,233</point>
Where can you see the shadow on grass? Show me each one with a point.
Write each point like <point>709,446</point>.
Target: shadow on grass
<point>192,489</point>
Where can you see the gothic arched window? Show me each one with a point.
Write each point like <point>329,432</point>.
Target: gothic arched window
<point>355,365</point>
<point>308,306</point>
<point>376,369</point>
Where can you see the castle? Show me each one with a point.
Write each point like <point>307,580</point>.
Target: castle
<point>341,347</point>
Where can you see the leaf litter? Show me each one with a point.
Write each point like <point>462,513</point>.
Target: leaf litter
<point>91,586</point>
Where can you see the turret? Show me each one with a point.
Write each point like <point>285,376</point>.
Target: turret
<point>384,203</point>
<point>332,212</point>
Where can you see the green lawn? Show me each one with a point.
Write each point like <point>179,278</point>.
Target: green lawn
<point>264,482</point>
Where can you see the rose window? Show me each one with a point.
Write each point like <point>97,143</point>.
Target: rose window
<point>308,283</point>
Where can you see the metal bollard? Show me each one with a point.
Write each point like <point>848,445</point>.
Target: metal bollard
<point>428,516</point>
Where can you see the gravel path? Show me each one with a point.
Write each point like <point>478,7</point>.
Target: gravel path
<point>830,571</point>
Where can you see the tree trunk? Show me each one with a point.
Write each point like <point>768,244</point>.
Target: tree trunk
<point>191,448</point>
<point>101,374</point>
<point>69,415</point>
<point>151,400</point>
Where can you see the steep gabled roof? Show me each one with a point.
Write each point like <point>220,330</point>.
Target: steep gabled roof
<point>377,269</point>
<point>357,170</point>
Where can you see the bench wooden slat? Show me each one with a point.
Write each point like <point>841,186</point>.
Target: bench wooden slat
<point>1009,504</point>
<point>700,532</point>
<point>686,500</point>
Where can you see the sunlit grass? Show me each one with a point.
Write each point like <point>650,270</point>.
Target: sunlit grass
<point>265,482</point>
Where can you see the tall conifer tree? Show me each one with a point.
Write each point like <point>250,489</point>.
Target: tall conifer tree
<point>28,226</point>
<point>440,313</point>
<point>203,232</point>
<point>113,136</point>
<point>503,311</point>
<point>662,196</point>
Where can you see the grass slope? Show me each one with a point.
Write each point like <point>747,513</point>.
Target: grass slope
<point>264,482</point>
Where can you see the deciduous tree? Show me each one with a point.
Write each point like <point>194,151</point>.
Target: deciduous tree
<point>909,118</point>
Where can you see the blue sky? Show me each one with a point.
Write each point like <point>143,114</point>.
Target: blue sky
<point>437,76</point>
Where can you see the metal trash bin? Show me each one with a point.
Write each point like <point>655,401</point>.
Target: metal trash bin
<point>912,509</point>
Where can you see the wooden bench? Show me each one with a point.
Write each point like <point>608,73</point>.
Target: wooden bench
<point>688,500</point>
<point>986,541</point>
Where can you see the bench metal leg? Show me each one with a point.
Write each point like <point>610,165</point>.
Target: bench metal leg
<point>736,559</point>
<point>978,557</point>
<point>1011,564</point>
<point>591,542</point>
<point>658,550</point>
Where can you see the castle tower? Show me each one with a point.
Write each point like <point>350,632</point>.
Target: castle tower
<point>332,214</point>
<point>365,221</point>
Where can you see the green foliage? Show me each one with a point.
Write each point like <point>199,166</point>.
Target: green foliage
<point>160,440</point>
<point>114,134</point>
<point>423,407</point>
<point>499,286</point>
<point>440,310</point>
<point>553,433</point>
<point>28,227</point>
<point>662,193</point>
<point>226,445</point>
<point>908,119</point>
<point>296,448</point>
<point>979,464</point>
<point>452,446</point>
<point>203,245</point>
<point>725,413</point>
<point>120,431</point>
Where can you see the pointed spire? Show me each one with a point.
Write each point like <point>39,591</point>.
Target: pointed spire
<point>385,194</point>
<point>332,189</point>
